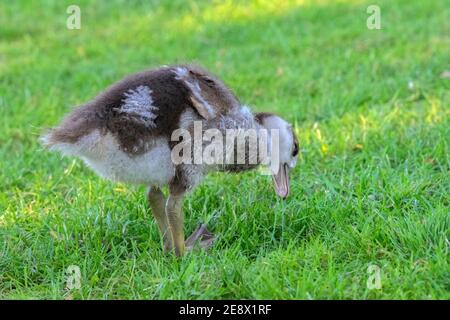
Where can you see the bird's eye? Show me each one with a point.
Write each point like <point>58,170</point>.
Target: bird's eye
<point>295,151</point>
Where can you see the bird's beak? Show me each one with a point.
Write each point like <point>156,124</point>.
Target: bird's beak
<point>281,181</point>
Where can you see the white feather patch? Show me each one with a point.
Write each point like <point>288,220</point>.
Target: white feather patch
<point>138,104</point>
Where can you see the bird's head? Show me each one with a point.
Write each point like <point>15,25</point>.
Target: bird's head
<point>283,156</point>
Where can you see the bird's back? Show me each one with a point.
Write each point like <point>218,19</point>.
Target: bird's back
<point>145,105</point>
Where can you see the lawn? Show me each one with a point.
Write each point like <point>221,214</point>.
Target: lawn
<point>371,190</point>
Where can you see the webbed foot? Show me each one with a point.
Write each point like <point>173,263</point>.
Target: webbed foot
<point>201,237</point>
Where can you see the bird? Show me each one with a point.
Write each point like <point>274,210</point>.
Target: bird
<point>126,134</point>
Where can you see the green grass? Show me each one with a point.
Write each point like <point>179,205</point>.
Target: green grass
<point>371,187</point>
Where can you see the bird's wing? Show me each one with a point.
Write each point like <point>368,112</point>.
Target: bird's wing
<point>208,95</point>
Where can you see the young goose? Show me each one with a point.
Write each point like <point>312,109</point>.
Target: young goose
<point>125,134</point>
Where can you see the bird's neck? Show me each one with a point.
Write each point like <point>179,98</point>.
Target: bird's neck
<point>252,145</point>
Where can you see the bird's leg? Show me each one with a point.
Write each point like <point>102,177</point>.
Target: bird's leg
<point>157,202</point>
<point>175,218</point>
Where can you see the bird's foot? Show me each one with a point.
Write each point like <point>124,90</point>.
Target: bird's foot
<point>201,237</point>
